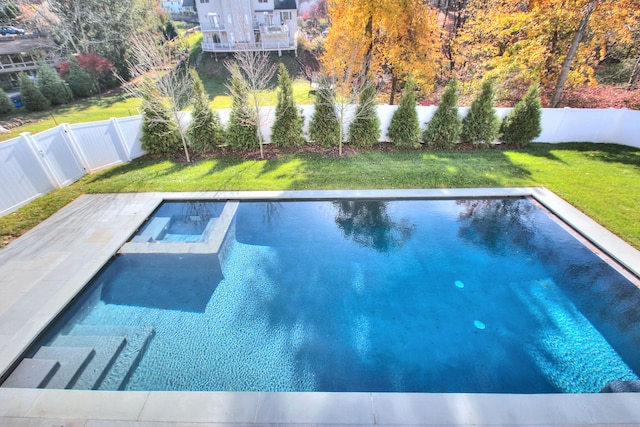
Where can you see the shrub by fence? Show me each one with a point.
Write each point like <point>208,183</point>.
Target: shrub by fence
<point>32,165</point>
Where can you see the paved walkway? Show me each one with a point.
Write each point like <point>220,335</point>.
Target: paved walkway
<point>44,269</point>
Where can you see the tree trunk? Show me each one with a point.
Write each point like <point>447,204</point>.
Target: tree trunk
<point>368,32</point>
<point>446,14</point>
<point>394,84</point>
<point>566,65</point>
<point>635,76</point>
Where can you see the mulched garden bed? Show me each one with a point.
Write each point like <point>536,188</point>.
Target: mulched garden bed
<point>271,152</point>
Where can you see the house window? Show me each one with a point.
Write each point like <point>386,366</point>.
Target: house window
<point>263,1</point>
<point>285,16</point>
<point>204,1</point>
<point>268,19</point>
<point>214,20</point>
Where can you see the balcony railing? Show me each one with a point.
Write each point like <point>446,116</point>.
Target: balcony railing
<point>277,29</point>
<point>210,27</point>
<point>19,66</point>
<point>265,45</point>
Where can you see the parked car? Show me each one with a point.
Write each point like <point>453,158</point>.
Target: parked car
<point>8,30</point>
<point>16,99</point>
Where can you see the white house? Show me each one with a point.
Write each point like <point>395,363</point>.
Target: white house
<point>231,25</point>
<point>179,7</point>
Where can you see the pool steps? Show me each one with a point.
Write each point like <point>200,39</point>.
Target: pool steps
<point>72,361</point>
<point>137,338</point>
<point>218,229</point>
<point>106,350</point>
<point>32,373</point>
<point>88,358</point>
<point>153,230</point>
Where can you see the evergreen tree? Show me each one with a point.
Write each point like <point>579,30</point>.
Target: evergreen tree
<point>6,105</point>
<point>80,82</point>
<point>160,133</point>
<point>32,98</point>
<point>8,13</point>
<point>523,124</point>
<point>287,128</point>
<point>169,31</point>
<point>242,127</point>
<point>404,129</point>
<point>205,132</point>
<point>52,86</point>
<point>324,128</point>
<point>481,124</point>
<point>443,130</point>
<point>364,130</point>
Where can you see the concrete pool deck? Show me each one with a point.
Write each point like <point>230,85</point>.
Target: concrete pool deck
<point>44,269</point>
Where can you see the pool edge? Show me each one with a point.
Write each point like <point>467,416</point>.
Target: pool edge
<point>336,408</point>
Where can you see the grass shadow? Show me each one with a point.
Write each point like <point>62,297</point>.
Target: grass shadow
<point>543,150</point>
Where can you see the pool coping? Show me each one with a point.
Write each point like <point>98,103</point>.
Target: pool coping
<point>57,267</point>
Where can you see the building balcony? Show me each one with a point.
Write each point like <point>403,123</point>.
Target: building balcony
<point>264,46</point>
<point>212,28</point>
<point>275,29</point>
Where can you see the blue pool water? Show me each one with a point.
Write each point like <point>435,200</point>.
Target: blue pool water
<point>398,296</point>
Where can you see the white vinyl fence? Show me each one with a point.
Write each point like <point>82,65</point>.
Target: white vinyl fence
<point>32,165</point>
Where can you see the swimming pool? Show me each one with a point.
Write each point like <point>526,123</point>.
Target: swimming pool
<point>414,295</point>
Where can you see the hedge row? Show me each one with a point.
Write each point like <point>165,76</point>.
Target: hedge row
<point>481,126</point>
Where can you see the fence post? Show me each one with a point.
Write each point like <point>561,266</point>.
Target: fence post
<point>75,147</point>
<point>41,159</point>
<point>121,139</point>
<point>617,126</point>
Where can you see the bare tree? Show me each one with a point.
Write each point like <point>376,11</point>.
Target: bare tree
<point>350,78</point>
<point>635,76</point>
<point>252,71</point>
<point>102,27</point>
<point>573,49</point>
<point>169,74</point>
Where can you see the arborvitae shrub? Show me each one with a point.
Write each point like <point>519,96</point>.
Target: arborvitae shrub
<point>324,128</point>
<point>160,133</point>
<point>523,124</point>
<point>404,129</point>
<point>80,82</point>
<point>32,98</point>
<point>287,128</point>
<point>242,126</point>
<point>6,104</point>
<point>52,86</point>
<point>364,130</point>
<point>481,125</point>
<point>443,130</point>
<point>205,132</point>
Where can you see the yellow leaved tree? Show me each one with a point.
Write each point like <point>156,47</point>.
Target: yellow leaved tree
<point>388,37</point>
<point>555,42</point>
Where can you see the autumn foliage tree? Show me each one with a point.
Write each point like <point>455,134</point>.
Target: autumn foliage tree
<point>394,37</point>
<point>555,42</point>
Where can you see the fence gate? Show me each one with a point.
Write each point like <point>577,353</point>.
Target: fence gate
<point>59,154</point>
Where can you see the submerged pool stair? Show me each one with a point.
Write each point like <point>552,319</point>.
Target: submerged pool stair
<point>88,358</point>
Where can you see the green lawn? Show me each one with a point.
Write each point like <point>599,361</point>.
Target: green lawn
<point>601,180</point>
<point>117,103</point>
